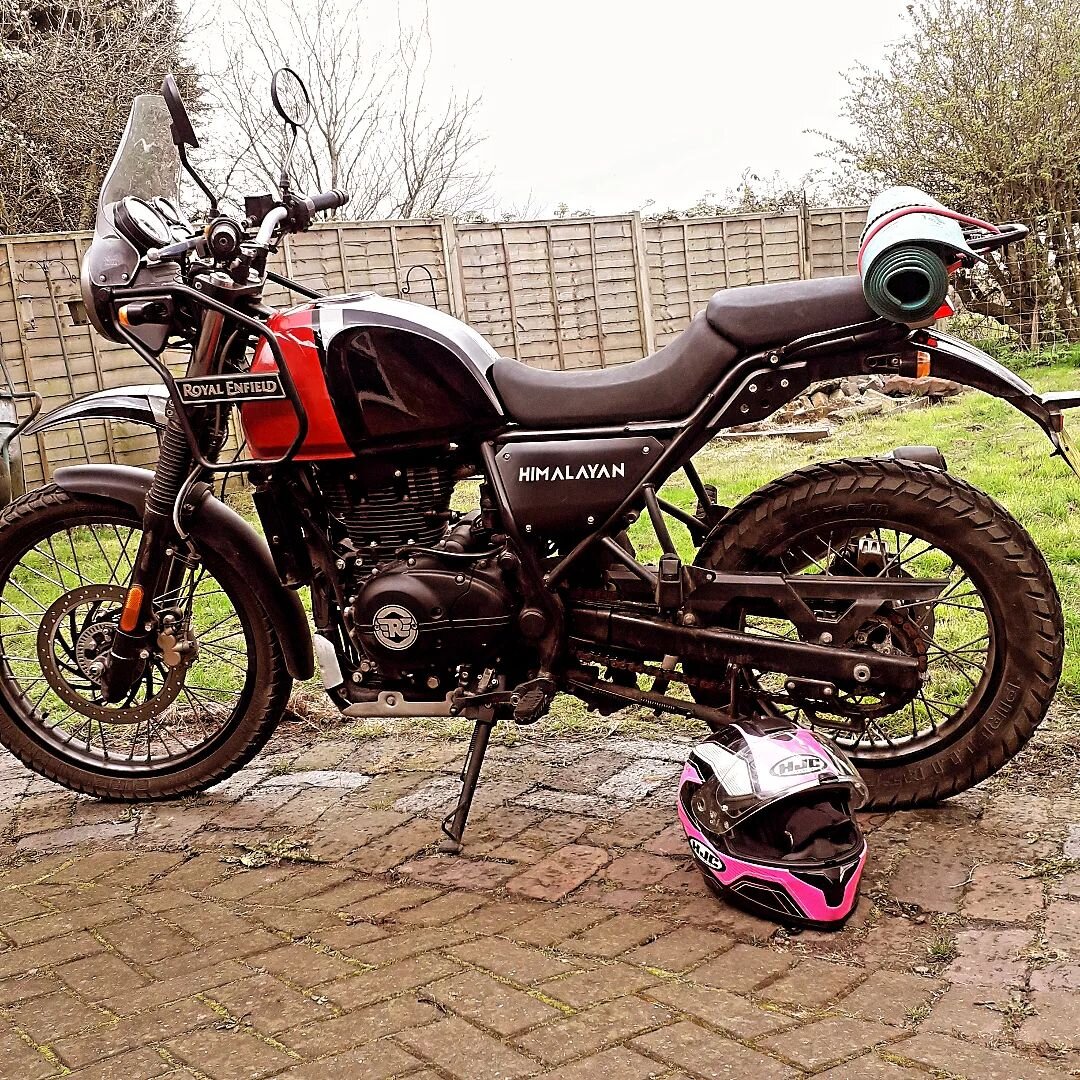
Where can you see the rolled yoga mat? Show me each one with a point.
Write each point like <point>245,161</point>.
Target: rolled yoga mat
<point>909,243</point>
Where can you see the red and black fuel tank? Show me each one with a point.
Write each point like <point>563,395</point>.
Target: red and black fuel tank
<point>374,372</point>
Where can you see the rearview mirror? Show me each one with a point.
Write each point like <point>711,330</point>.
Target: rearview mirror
<point>183,134</point>
<point>290,97</point>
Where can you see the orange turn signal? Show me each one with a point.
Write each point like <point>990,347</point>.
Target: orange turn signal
<point>122,317</point>
<point>922,364</point>
<point>129,617</point>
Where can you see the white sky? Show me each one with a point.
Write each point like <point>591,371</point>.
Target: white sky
<point>609,106</point>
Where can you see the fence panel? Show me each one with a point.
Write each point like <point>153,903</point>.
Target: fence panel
<point>833,240</point>
<point>559,294</point>
<point>689,260</point>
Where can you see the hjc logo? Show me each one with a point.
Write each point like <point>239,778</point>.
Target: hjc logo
<point>799,765</point>
<point>706,855</point>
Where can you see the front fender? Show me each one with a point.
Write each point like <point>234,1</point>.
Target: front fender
<point>951,358</point>
<point>217,528</point>
<point>143,404</point>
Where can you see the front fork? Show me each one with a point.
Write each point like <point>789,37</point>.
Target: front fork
<point>157,570</point>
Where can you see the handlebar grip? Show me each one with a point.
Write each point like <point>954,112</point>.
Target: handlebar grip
<point>327,200</point>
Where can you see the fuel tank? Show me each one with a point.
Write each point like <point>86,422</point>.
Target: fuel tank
<point>374,372</point>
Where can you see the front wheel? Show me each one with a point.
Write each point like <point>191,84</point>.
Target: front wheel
<point>213,686</point>
<point>991,645</point>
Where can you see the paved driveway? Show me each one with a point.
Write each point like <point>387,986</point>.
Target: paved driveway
<point>296,922</point>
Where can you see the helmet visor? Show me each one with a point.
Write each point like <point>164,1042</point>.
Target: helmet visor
<point>744,771</point>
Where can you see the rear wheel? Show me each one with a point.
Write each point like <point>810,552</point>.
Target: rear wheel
<point>213,687</point>
<point>991,645</point>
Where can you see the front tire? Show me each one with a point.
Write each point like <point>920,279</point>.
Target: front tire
<point>1024,639</point>
<point>64,560</point>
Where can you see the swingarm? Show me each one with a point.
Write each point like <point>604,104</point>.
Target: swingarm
<point>852,599</point>
<point>850,669</point>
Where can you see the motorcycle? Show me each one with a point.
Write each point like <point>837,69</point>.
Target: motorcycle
<point>150,636</point>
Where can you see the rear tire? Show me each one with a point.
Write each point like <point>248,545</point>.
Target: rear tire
<point>1020,604</point>
<point>40,518</point>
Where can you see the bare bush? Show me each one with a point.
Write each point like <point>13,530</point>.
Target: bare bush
<point>377,130</point>
<point>68,72</point>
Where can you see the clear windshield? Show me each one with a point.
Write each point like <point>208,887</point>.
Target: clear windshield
<point>146,163</point>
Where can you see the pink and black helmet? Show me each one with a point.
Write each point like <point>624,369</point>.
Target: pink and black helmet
<point>768,810</point>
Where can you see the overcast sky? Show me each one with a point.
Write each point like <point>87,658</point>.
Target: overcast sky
<point>611,106</point>
<point>608,105</point>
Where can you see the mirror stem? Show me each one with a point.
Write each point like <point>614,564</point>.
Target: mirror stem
<point>190,170</point>
<point>285,181</point>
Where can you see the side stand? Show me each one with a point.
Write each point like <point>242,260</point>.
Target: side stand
<point>454,824</point>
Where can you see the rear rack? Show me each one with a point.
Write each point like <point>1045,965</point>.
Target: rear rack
<point>982,240</point>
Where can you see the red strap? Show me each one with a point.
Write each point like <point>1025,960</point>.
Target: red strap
<point>940,211</point>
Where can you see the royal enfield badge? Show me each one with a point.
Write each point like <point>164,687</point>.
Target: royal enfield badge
<point>395,627</point>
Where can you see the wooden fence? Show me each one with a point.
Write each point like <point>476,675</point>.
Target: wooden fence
<point>567,293</point>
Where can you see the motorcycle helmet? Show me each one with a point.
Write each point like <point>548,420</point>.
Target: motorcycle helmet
<point>768,810</point>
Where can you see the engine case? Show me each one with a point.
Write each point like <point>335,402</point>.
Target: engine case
<point>425,614</point>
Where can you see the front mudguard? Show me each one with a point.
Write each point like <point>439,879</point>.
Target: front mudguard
<point>951,358</point>
<point>142,404</point>
<point>217,528</point>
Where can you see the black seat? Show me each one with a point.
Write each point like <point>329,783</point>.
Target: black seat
<point>669,384</point>
<point>758,316</point>
<point>664,386</point>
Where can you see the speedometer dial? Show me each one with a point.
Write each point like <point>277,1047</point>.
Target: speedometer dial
<point>141,223</point>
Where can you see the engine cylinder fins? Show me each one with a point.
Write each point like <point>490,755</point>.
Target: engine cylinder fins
<point>384,513</point>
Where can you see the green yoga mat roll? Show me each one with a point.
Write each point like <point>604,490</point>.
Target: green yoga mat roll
<point>907,247</point>
<point>907,283</point>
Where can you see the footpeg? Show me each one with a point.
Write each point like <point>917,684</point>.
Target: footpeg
<point>534,700</point>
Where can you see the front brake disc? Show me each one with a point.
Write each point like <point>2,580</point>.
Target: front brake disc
<point>63,661</point>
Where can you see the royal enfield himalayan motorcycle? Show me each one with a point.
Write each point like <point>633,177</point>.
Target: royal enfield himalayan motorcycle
<point>150,636</point>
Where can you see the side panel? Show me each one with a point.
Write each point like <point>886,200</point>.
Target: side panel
<point>228,535</point>
<point>391,385</point>
<point>567,488</point>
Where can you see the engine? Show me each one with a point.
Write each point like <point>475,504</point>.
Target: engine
<point>431,614</point>
<point>428,595</point>
<point>383,508</point>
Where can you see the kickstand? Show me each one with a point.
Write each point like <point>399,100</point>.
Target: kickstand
<point>454,824</point>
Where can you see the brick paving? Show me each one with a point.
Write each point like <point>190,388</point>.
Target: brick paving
<point>298,922</point>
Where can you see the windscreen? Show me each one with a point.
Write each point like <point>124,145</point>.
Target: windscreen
<point>146,165</point>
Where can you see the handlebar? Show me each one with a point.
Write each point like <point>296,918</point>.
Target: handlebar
<point>326,200</point>
<point>279,215</point>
